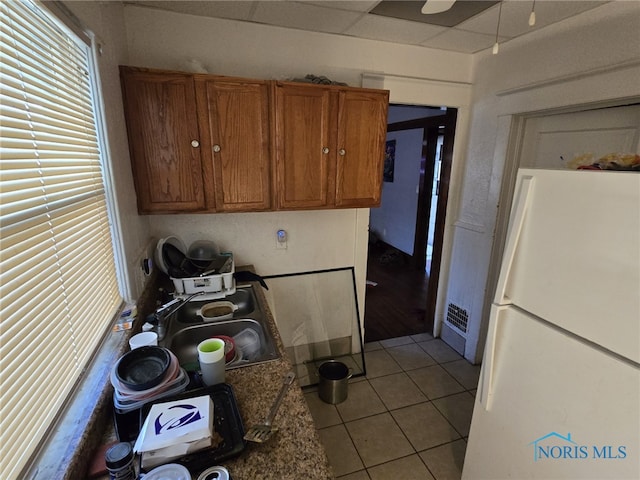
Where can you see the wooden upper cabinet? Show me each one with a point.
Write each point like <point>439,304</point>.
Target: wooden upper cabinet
<point>362,131</point>
<point>207,143</point>
<point>164,140</point>
<point>236,142</point>
<point>329,145</point>
<point>305,156</point>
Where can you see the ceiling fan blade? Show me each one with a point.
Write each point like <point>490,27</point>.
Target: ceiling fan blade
<point>436,6</point>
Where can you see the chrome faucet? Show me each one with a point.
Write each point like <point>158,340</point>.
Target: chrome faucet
<point>165,311</point>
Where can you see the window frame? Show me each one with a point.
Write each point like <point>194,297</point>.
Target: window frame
<point>64,449</point>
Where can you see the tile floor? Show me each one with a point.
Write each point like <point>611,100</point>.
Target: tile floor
<point>408,418</point>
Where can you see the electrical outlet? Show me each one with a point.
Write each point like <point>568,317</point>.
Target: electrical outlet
<point>281,239</point>
<point>147,266</point>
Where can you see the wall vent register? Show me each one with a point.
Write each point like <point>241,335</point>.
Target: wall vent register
<point>457,317</point>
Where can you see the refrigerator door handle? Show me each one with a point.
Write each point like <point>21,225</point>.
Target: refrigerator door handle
<point>485,385</point>
<point>518,216</point>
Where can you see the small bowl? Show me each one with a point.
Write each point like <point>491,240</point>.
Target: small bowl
<point>143,368</point>
<point>202,253</point>
<point>170,378</point>
<point>229,348</point>
<point>143,339</point>
<point>217,311</point>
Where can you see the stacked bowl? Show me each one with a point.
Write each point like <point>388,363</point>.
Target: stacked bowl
<point>144,375</point>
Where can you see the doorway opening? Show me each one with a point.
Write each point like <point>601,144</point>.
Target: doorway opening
<point>406,231</point>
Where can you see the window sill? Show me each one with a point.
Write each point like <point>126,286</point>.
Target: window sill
<point>68,451</point>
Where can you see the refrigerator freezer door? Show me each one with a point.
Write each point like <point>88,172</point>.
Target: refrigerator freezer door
<point>572,254</point>
<point>559,409</point>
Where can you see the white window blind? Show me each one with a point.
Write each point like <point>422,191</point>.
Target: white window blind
<point>58,285</point>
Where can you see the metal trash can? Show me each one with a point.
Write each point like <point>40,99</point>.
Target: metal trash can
<point>334,381</point>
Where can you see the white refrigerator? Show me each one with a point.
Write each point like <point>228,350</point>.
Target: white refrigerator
<point>559,390</point>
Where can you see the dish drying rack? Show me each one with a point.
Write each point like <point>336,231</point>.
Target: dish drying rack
<point>214,287</point>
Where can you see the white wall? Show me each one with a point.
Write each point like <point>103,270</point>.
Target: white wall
<point>318,239</point>
<point>106,21</point>
<point>315,240</point>
<point>590,60</point>
<point>395,220</point>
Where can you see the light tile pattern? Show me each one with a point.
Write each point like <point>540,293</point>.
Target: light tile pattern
<point>352,18</point>
<point>408,418</point>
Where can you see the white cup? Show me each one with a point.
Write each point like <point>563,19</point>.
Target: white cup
<point>143,339</point>
<point>212,360</point>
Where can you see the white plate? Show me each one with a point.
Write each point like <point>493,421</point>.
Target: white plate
<point>176,242</point>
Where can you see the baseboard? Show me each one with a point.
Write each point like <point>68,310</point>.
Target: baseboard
<point>452,338</point>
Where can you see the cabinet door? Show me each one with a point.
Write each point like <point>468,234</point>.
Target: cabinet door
<point>305,152</point>
<point>362,128</point>
<point>160,111</point>
<point>236,145</point>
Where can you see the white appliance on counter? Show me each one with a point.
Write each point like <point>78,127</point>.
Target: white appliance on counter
<point>559,389</point>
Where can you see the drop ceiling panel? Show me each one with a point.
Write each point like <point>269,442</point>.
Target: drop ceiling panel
<point>304,16</point>
<point>514,20</point>
<point>393,30</point>
<point>362,6</point>
<point>552,11</point>
<point>411,10</point>
<point>236,10</point>
<point>461,41</point>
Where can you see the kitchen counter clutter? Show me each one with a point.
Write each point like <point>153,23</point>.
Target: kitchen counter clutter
<point>294,451</point>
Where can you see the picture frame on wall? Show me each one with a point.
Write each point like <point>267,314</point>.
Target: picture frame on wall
<point>389,161</point>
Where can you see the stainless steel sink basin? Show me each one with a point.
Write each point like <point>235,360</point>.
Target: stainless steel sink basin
<point>244,299</point>
<point>184,342</point>
<point>254,340</point>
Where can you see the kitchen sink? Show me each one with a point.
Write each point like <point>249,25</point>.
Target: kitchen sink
<point>185,329</point>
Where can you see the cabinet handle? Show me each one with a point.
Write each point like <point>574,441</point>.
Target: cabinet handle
<point>325,150</point>
<point>195,143</point>
<point>216,148</point>
<point>342,151</point>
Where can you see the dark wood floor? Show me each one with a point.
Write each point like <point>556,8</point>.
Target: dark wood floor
<point>395,307</point>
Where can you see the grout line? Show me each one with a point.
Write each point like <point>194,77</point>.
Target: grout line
<point>344,424</point>
<point>388,411</point>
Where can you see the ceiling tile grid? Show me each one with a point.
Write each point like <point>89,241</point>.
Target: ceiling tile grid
<point>353,18</point>
<point>304,16</point>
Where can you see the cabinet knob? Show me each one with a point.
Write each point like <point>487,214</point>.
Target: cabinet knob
<point>195,143</point>
<point>325,150</point>
<point>216,148</point>
<point>342,151</point>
